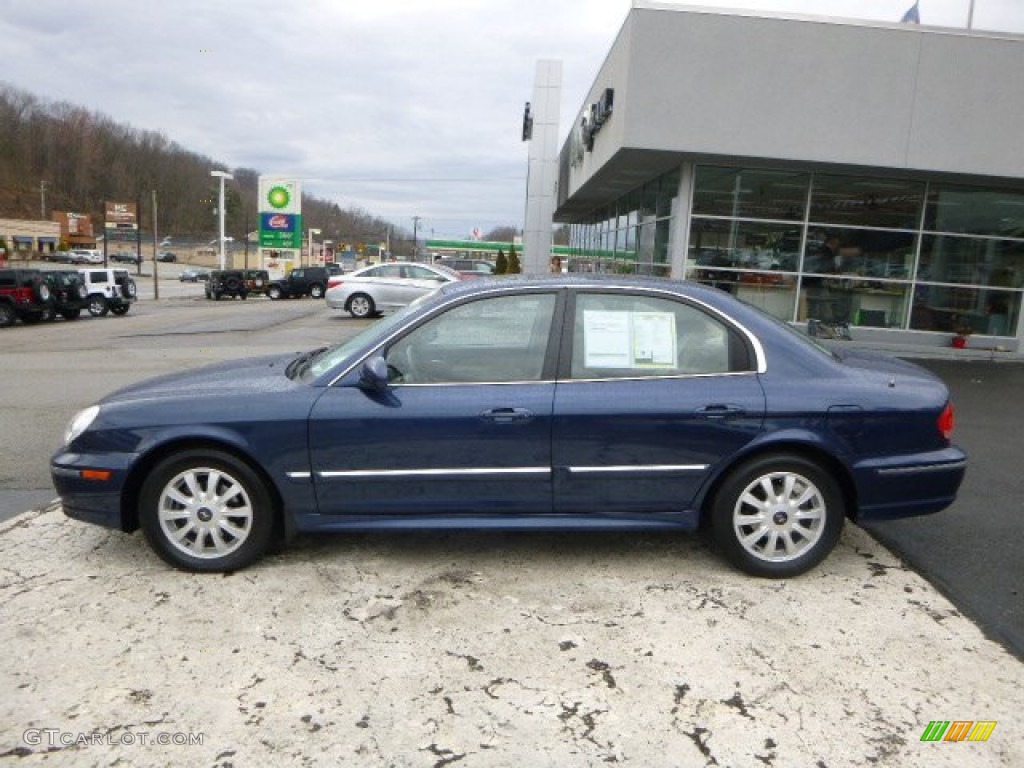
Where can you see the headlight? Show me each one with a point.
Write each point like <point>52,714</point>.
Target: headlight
<point>80,423</point>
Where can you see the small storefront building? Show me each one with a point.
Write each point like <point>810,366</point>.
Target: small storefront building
<point>26,240</point>
<point>845,172</point>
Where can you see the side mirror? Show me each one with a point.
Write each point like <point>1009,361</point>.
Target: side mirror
<point>374,374</point>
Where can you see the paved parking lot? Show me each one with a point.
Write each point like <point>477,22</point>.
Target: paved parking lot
<point>433,649</point>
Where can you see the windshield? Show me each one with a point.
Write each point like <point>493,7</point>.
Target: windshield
<point>333,357</point>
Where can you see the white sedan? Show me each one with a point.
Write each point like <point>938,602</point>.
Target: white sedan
<point>381,287</point>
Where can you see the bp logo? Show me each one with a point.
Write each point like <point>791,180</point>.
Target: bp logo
<point>279,197</point>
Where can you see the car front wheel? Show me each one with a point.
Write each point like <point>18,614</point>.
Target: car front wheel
<point>98,306</point>
<point>778,515</point>
<point>274,293</point>
<point>205,510</point>
<point>360,306</point>
<point>120,309</point>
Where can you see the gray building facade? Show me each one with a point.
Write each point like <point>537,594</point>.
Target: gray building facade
<point>865,173</point>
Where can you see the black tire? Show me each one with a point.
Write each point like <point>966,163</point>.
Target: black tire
<point>243,523</point>
<point>232,286</point>
<point>799,523</point>
<point>217,295</point>
<point>120,309</point>
<point>98,306</point>
<point>128,289</point>
<point>71,314</point>
<point>361,306</point>
<point>274,293</point>
<point>316,291</point>
<point>31,318</point>
<point>244,295</point>
<point>7,316</point>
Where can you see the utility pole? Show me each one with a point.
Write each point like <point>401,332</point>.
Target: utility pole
<point>42,199</point>
<point>415,230</point>
<point>970,16</point>
<point>156,283</point>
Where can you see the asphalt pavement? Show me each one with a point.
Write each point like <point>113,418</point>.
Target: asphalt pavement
<point>972,551</point>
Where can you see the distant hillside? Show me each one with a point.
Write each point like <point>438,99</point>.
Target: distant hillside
<point>86,158</point>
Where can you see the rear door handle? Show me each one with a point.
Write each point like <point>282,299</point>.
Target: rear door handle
<point>721,411</point>
<point>507,415</point>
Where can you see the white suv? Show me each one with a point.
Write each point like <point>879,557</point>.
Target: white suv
<point>110,290</point>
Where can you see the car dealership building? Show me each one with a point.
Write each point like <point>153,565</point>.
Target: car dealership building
<point>843,171</point>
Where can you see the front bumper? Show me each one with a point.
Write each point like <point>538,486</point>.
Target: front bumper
<point>87,493</point>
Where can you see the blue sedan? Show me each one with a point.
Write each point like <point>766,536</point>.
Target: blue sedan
<point>559,403</point>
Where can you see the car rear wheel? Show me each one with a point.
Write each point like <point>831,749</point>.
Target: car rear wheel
<point>778,515</point>
<point>120,309</point>
<point>98,306</point>
<point>71,314</point>
<point>7,316</point>
<point>361,306</point>
<point>205,510</point>
<point>316,291</point>
<point>274,292</point>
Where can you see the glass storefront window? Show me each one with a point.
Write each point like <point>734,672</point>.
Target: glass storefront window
<point>954,310</point>
<point>869,303</point>
<point>863,252</point>
<point>750,193</point>
<point>744,244</point>
<point>866,202</point>
<point>971,260</point>
<point>975,211</point>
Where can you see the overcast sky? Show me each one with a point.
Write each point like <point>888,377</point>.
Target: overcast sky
<point>399,107</point>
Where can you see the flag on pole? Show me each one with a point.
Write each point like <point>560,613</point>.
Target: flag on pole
<point>911,16</point>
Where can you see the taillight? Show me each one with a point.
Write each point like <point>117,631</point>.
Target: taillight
<point>333,282</point>
<point>946,421</point>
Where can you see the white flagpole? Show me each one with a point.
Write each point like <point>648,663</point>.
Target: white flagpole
<point>970,15</point>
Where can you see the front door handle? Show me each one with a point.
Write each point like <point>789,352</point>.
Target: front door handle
<point>721,411</point>
<point>507,415</point>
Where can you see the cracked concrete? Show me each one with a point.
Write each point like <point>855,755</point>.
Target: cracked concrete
<point>486,649</point>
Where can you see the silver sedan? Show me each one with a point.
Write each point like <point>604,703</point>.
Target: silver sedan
<point>381,287</point>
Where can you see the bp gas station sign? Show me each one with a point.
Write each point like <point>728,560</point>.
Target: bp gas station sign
<point>280,213</point>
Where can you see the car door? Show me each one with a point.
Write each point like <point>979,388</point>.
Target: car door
<point>464,426</point>
<point>387,286</point>
<point>653,393</point>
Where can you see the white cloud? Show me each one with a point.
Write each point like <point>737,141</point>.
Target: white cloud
<point>375,104</point>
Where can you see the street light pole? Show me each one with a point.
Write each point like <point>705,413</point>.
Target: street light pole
<point>222,175</point>
<point>415,230</point>
<point>311,233</point>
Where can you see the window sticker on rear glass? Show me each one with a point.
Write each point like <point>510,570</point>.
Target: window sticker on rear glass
<point>629,339</point>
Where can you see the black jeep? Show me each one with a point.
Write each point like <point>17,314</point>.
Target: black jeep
<point>236,282</point>
<point>68,292</point>
<point>301,281</point>
<point>24,295</point>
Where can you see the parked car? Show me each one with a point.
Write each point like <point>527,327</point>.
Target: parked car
<point>370,290</point>
<point>108,290</point>
<point>236,282</point>
<point>25,296</point>
<point>166,256</point>
<point>124,257</point>
<point>551,403</point>
<point>85,256</point>
<point>468,267</point>
<point>194,274</point>
<point>68,293</point>
<point>301,281</point>
<point>334,268</point>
